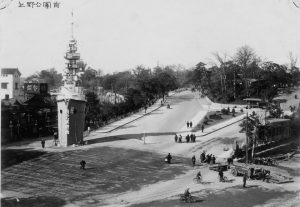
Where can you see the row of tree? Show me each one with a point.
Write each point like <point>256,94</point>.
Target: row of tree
<point>243,75</point>
<point>228,79</point>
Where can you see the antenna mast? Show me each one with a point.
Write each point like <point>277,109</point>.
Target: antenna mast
<point>72,26</point>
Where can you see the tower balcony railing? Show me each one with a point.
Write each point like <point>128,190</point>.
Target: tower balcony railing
<point>72,66</point>
<point>72,56</point>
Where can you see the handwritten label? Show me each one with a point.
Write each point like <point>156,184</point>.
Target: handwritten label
<point>37,4</point>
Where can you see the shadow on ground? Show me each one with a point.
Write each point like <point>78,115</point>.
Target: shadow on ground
<point>11,157</point>
<point>236,196</point>
<point>109,171</point>
<point>41,201</point>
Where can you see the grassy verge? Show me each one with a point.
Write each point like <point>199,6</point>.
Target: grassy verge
<point>214,117</point>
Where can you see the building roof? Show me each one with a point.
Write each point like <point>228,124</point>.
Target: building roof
<point>10,71</point>
<point>278,120</point>
<point>280,99</point>
<point>253,99</point>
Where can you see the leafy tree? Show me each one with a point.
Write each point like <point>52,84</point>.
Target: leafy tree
<point>50,76</point>
<point>90,80</point>
<point>250,125</point>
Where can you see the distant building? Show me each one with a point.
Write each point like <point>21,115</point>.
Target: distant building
<point>114,98</point>
<point>10,83</point>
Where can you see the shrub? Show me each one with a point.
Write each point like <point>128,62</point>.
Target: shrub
<point>225,111</point>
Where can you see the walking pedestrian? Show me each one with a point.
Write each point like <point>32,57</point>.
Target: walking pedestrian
<point>82,164</point>
<point>191,124</point>
<point>55,138</point>
<point>43,143</point>
<point>202,157</point>
<point>193,160</point>
<point>213,160</point>
<point>176,138</point>
<point>202,128</point>
<point>221,176</point>
<point>180,138</point>
<point>89,129</point>
<point>187,138</point>
<point>192,138</point>
<point>245,176</point>
<point>188,124</point>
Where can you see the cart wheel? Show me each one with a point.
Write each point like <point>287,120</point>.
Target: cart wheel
<point>234,172</point>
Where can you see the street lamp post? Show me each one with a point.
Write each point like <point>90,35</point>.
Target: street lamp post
<point>11,128</point>
<point>18,125</point>
<point>247,136</point>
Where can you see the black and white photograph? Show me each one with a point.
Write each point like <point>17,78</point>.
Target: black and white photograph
<point>150,103</point>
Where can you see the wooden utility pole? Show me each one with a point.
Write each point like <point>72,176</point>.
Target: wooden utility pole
<point>247,135</point>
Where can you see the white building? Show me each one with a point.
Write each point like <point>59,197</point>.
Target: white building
<point>10,83</point>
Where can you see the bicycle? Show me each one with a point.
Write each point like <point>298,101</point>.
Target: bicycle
<point>187,199</point>
<point>197,180</point>
<point>224,179</point>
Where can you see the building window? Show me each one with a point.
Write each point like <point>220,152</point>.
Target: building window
<point>16,86</point>
<point>4,85</point>
<point>6,96</point>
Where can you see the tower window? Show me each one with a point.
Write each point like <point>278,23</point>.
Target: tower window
<point>4,85</point>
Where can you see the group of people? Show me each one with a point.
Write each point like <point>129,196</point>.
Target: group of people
<point>189,124</point>
<point>188,138</point>
<point>207,158</point>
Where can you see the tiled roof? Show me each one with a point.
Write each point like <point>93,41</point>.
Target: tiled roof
<point>10,71</point>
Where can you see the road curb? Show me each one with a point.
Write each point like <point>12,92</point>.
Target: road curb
<point>137,117</point>
<point>222,127</point>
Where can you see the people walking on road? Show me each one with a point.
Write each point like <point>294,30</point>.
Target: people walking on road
<point>180,138</point>
<point>213,160</point>
<point>194,160</point>
<point>176,138</point>
<point>245,176</point>
<point>43,143</point>
<point>187,138</point>
<point>82,164</point>
<point>169,158</point>
<point>55,138</point>
<point>194,137</point>
<point>221,176</point>
<point>202,128</point>
<point>191,124</point>
<point>202,157</point>
<point>188,124</point>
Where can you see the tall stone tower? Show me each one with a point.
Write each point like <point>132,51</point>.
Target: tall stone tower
<point>71,100</point>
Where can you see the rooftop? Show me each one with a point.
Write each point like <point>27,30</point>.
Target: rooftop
<point>10,71</point>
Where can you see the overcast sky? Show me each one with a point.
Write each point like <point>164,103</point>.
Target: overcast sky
<point>116,35</point>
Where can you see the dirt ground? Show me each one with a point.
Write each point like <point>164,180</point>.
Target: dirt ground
<point>123,170</point>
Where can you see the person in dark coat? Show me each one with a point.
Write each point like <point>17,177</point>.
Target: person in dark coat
<point>221,176</point>
<point>43,143</point>
<point>193,160</point>
<point>169,158</point>
<point>187,138</point>
<point>82,164</point>
<point>176,138</point>
<point>245,176</point>
<point>191,124</point>
<point>180,138</point>
<point>213,159</point>
<point>202,157</point>
<point>202,128</point>
<point>188,124</point>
